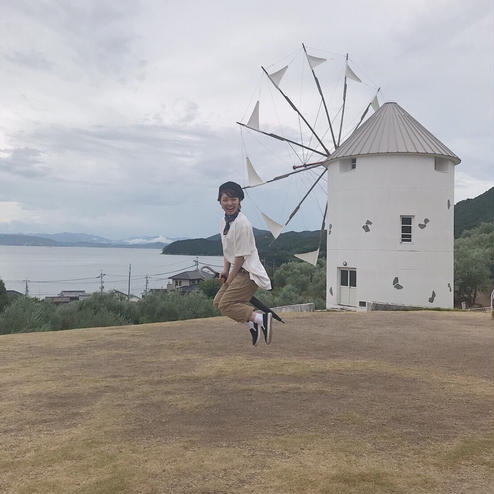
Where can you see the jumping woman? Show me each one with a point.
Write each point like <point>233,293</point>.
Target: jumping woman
<point>242,272</point>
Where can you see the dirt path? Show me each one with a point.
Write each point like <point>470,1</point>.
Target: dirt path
<point>383,402</point>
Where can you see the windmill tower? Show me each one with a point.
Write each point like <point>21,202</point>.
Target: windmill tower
<point>389,210</point>
<point>390,214</point>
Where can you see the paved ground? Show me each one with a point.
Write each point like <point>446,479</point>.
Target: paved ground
<point>380,402</point>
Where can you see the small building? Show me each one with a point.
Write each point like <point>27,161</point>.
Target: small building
<point>74,294</point>
<point>125,296</point>
<point>188,280</point>
<point>66,296</point>
<point>12,294</point>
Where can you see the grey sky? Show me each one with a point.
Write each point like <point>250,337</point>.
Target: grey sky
<point>118,117</point>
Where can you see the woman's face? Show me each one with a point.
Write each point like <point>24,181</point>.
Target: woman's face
<point>229,204</point>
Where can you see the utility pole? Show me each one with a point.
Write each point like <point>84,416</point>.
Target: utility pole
<point>101,286</point>
<point>196,262</point>
<point>26,291</point>
<point>128,292</point>
<point>147,284</point>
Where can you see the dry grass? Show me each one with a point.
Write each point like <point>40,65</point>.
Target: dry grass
<point>339,403</point>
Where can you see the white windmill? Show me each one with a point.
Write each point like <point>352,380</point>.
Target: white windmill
<point>389,207</point>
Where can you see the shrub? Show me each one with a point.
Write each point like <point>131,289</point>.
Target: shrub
<point>26,314</point>
<point>174,306</point>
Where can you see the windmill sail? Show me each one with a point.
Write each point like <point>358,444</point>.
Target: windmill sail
<point>310,257</point>
<point>351,74</point>
<point>277,76</point>
<point>273,227</point>
<point>254,118</point>
<point>375,103</point>
<point>254,178</point>
<point>315,61</point>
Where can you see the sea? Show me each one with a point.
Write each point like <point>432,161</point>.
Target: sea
<point>46,271</point>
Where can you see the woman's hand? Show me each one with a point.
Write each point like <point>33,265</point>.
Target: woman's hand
<point>223,277</point>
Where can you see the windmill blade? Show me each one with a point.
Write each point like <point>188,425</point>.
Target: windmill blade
<point>312,65</point>
<point>280,138</point>
<point>312,257</point>
<point>280,177</point>
<point>344,102</point>
<point>294,212</point>
<point>289,101</point>
<point>374,103</point>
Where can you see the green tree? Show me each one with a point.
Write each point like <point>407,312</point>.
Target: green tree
<point>474,263</point>
<point>299,282</point>
<point>4,298</point>
<point>210,287</point>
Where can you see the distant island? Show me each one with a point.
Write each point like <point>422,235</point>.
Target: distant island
<point>81,240</point>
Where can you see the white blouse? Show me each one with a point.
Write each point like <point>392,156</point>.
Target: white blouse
<point>240,241</point>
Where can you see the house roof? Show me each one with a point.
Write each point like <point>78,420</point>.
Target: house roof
<point>190,275</point>
<point>14,292</point>
<point>391,130</point>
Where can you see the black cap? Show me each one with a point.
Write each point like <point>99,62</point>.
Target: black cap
<point>231,188</point>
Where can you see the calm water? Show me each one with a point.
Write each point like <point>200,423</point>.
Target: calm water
<point>50,270</point>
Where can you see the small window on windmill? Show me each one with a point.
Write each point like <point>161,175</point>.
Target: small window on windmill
<point>348,164</point>
<point>406,229</point>
<point>441,165</point>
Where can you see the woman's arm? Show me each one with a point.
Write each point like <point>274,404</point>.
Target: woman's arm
<point>226,270</point>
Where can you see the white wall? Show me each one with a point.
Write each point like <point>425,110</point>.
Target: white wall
<point>381,189</point>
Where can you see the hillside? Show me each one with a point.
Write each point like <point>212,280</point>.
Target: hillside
<point>471,212</point>
<point>19,239</point>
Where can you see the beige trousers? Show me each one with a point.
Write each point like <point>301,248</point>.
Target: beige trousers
<point>232,301</point>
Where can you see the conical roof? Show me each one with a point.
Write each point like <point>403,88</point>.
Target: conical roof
<point>391,130</point>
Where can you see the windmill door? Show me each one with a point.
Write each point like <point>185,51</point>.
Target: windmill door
<point>348,286</point>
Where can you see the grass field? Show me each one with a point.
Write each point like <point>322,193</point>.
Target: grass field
<point>340,403</point>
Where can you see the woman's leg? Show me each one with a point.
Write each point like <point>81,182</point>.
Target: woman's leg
<point>219,296</point>
<point>233,301</point>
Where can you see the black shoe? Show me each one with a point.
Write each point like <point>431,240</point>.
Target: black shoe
<point>267,320</point>
<point>256,334</point>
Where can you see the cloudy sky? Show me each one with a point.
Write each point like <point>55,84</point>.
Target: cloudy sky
<point>118,117</point>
